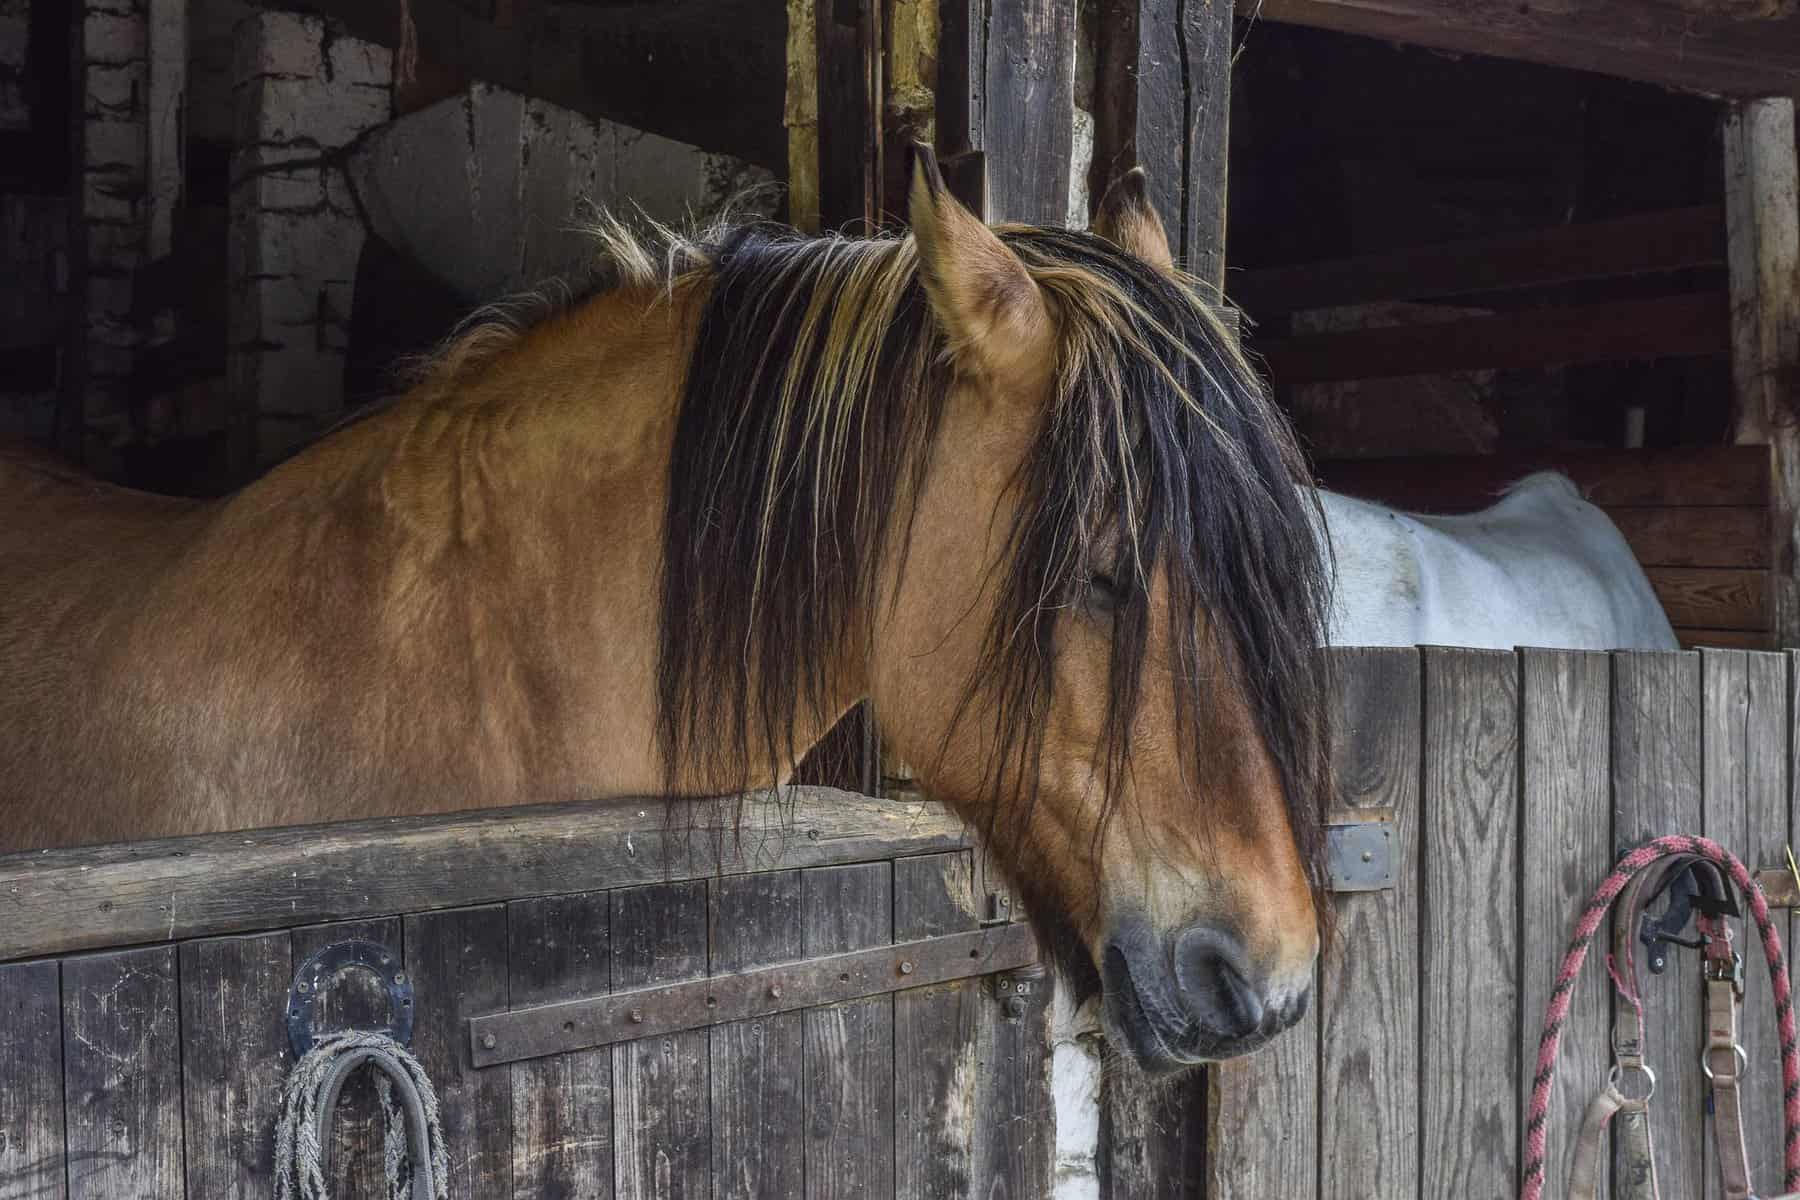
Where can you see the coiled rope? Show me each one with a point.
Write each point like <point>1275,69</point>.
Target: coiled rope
<point>413,1135</point>
<point>1557,1011</point>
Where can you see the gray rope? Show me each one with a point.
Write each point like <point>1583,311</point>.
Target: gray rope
<point>413,1138</point>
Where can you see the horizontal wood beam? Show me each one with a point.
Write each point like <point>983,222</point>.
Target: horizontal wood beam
<point>708,72</point>
<point>1695,537</point>
<point>1708,475</point>
<point>1665,326</point>
<point>1718,48</point>
<point>1713,597</point>
<point>1641,244</point>
<point>1725,639</point>
<point>57,901</point>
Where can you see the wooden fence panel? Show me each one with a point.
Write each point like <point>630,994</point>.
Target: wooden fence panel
<point>122,1075</point>
<point>560,948</point>
<point>1369,996</point>
<point>1565,848</point>
<point>457,961</point>
<point>1656,748</point>
<point>235,1055</point>
<point>356,1170</point>
<point>662,1129</point>
<point>1744,741</point>
<point>758,1147</point>
<point>935,1053</point>
<point>1469,926</point>
<point>31,1067</point>
<point>849,1083</point>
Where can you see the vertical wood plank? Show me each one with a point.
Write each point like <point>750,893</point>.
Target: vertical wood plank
<point>31,1083</point>
<point>356,1169</point>
<point>800,113</point>
<point>1565,849</point>
<point>1162,92</point>
<point>457,961</point>
<point>1744,800</point>
<point>122,1075</point>
<point>1153,1139</point>
<point>560,948</point>
<point>1656,741</point>
<point>849,113</point>
<point>1369,996</point>
<point>758,1152</point>
<point>1469,928</point>
<point>1014,1144</point>
<point>235,1057</point>
<point>1265,1119</point>
<point>849,1081</point>
<point>936,1056</point>
<point>662,1132</point>
<point>1762,200</point>
<point>1030,105</point>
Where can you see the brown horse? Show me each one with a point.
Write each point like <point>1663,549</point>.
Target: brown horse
<point>1014,485</point>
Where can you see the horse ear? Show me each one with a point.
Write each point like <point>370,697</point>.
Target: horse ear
<point>988,304</point>
<point>1127,219</point>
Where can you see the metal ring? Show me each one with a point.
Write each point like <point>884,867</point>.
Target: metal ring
<point>1742,1057</point>
<point>1612,1078</point>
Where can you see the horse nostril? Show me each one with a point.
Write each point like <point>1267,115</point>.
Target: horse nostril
<point>1213,973</point>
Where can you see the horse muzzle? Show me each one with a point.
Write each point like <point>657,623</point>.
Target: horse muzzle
<point>1191,998</point>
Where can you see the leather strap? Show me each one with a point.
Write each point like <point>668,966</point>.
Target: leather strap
<point>1585,1167</point>
<point>1721,1058</point>
<point>1636,1175</point>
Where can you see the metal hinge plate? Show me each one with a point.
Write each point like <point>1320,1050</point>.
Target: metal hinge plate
<point>669,1008</point>
<point>1360,856</point>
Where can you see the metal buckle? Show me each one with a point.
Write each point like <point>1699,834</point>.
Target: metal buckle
<point>1742,1057</point>
<point>1617,1072</point>
<point>1716,971</point>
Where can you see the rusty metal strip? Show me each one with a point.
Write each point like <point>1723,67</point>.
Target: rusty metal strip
<point>654,1011</point>
<point>1780,887</point>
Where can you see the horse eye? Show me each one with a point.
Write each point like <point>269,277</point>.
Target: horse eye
<point>1104,592</point>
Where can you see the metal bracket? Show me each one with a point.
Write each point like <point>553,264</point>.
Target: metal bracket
<point>1360,855</point>
<point>326,968</point>
<point>505,1037</point>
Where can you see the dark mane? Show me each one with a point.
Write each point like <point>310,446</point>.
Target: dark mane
<point>811,407</point>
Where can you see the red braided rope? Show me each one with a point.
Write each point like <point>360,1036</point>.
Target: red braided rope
<point>1531,1184</point>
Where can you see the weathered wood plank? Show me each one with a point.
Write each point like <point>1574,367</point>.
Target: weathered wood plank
<point>1642,243</point>
<point>848,114</point>
<point>1718,49</point>
<point>1162,96</point>
<point>1712,597</point>
<point>31,1083</point>
<point>1617,331</point>
<point>1762,216</point>
<point>1014,1138</point>
<point>1264,1115</point>
<point>1565,848</point>
<point>559,948</point>
<point>662,1129</point>
<point>1696,537</point>
<point>1369,996</point>
<point>357,1002</point>
<point>935,1036</point>
<point>1744,796</point>
<point>849,1080</point>
<point>758,1151</point>
<point>235,1057</point>
<point>1469,924</point>
<point>457,961</point>
<point>1150,1145</point>
<point>800,114</point>
<point>1656,739</point>
<point>140,892</point>
<point>122,1075</point>
<point>1030,106</point>
<point>1725,475</point>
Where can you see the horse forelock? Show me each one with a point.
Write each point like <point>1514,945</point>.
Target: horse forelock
<point>815,388</point>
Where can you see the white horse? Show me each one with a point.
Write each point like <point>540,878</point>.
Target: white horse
<point>1542,567</point>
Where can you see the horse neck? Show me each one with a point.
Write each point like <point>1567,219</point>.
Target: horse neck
<point>527,494</point>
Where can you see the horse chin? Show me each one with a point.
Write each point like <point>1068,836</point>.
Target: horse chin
<point>1143,1015</point>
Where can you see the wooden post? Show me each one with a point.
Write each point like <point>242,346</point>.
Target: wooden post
<point>1162,99</point>
<point>801,115</point>
<point>1762,221</point>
